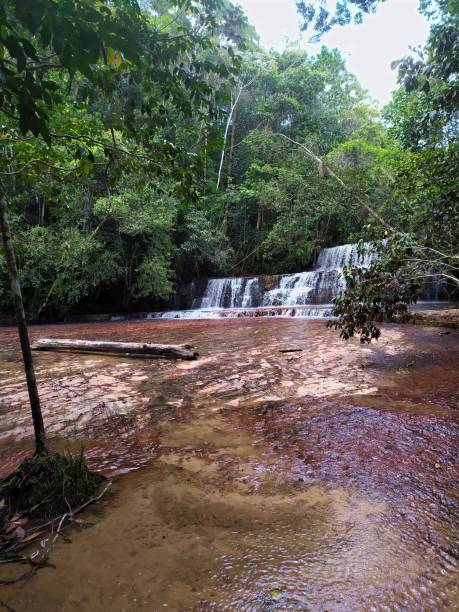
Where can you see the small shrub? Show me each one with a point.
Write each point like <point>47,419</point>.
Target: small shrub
<point>48,485</point>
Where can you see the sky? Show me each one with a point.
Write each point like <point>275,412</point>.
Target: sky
<point>369,48</point>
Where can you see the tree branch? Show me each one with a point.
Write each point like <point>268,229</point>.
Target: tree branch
<point>358,200</point>
<point>36,161</point>
<point>81,138</point>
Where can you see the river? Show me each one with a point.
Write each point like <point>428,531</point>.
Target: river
<point>250,479</point>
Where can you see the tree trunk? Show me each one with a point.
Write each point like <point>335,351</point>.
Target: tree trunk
<point>225,136</point>
<point>39,429</point>
<point>232,139</point>
<point>134,349</point>
<point>259,218</point>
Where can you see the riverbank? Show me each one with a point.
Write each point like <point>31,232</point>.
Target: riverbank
<point>438,317</point>
<point>250,479</point>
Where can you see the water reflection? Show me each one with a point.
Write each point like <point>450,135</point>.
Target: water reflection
<point>324,479</point>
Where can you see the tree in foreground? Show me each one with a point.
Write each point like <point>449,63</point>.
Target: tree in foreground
<point>38,38</point>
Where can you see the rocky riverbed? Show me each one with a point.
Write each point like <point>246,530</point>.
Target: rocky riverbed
<point>250,479</point>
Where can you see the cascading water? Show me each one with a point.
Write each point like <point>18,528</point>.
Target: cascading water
<point>287,294</point>
<point>304,294</point>
<point>318,286</point>
<point>336,258</point>
<point>238,292</point>
<point>323,283</point>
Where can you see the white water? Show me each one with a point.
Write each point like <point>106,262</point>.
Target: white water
<point>318,286</point>
<point>336,258</point>
<point>234,296</point>
<point>303,294</point>
<point>237,292</point>
<point>311,312</point>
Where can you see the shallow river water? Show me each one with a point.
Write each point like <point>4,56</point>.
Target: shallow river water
<point>249,479</point>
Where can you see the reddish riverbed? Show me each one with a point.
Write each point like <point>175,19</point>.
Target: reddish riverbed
<point>250,479</point>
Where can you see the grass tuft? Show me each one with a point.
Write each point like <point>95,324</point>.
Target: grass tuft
<point>48,485</point>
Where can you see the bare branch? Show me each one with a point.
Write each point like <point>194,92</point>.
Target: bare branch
<point>358,200</point>
<point>36,161</point>
<point>228,121</point>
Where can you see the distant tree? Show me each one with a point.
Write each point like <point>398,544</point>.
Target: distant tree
<point>271,203</point>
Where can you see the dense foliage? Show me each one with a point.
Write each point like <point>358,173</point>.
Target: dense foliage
<point>130,167</point>
<point>424,241</point>
<point>117,136</point>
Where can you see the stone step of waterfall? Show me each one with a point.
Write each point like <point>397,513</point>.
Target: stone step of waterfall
<point>311,312</point>
<point>318,286</point>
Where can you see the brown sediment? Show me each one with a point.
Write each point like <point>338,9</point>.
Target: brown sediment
<point>320,479</point>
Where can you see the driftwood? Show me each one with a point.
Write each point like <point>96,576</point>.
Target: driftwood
<point>128,349</point>
<point>37,531</point>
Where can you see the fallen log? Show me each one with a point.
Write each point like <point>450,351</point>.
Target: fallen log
<point>290,350</point>
<point>128,349</point>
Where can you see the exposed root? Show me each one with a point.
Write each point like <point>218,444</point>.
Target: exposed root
<point>6,606</point>
<point>51,487</point>
<point>29,573</point>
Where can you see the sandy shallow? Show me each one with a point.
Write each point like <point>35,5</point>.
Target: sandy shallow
<point>250,479</point>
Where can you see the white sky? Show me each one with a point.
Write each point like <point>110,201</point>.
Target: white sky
<point>369,48</point>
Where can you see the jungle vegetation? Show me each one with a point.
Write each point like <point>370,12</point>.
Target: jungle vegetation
<point>144,144</point>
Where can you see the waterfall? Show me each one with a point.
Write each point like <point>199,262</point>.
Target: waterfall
<point>318,286</point>
<point>237,292</point>
<point>336,258</point>
<point>303,294</point>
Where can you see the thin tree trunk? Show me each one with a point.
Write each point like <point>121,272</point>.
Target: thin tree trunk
<point>205,156</point>
<point>233,106</point>
<point>232,138</point>
<point>259,218</point>
<point>225,136</point>
<point>225,219</point>
<point>42,211</point>
<point>39,429</point>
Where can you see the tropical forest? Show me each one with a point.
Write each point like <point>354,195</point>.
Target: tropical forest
<point>229,285</point>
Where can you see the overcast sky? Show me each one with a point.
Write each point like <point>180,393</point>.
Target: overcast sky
<point>369,48</point>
